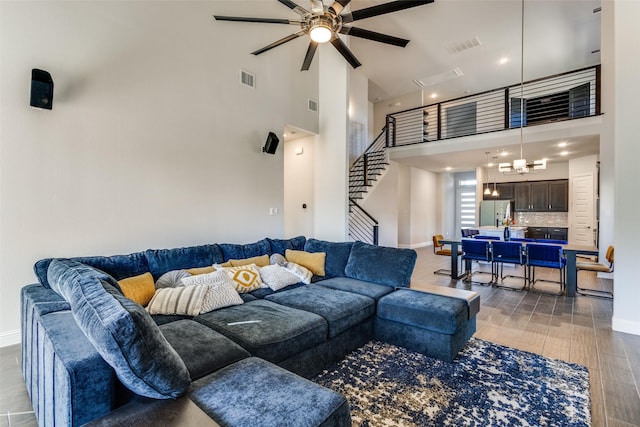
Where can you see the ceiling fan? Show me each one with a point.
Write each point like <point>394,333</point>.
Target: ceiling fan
<point>323,24</point>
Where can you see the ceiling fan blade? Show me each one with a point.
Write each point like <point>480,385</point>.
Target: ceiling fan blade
<point>247,19</point>
<point>382,9</point>
<point>297,9</point>
<point>339,5</point>
<point>372,35</point>
<point>317,6</point>
<point>345,52</point>
<point>309,56</point>
<point>278,43</point>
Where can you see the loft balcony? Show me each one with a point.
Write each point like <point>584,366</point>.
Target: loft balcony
<point>549,100</point>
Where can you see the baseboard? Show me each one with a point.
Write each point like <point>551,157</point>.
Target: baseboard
<point>625,326</point>
<point>10,338</point>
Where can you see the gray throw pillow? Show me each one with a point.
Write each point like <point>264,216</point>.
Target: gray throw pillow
<point>172,279</point>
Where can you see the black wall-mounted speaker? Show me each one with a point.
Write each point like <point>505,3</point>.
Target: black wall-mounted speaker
<point>272,144</point>
<point>41,89</point>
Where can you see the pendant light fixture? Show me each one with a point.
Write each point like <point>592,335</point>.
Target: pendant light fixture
<point>487,191</point>
<point>520,166</point>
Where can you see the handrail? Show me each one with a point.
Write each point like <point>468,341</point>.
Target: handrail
<point>563,96</point>
<point>363,211</point>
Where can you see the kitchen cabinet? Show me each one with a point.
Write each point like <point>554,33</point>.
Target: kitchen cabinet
<point>542,196</point>
<point>558,196</point>
<point>556,233</point>
<point>505,191</point>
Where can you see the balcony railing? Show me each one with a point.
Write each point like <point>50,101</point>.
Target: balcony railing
<point>566,96</point>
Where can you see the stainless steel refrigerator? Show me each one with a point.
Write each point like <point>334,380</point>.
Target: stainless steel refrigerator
<point>492,210</point>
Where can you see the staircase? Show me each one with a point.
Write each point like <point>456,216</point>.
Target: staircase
<point>363,175</point>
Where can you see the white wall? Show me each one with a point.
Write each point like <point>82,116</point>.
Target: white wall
<point>331,166</point>
<point>424,207</point>
<point>382,204</point>
<point>626,316</point>
<point>299,170</point>
<point>151,142</point>
<point>393,105</point>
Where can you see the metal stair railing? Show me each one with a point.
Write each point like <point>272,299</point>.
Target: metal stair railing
<point>362,226</point>
<point>366,169</point>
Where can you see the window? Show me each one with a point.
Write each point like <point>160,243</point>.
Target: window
<point>465,201</point>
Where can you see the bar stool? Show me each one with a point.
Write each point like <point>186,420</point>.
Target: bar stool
<point>439,249</point>
<point>549,256</point>
<point>507,253</point>
<point>476,250</point>
<point>598,267</point>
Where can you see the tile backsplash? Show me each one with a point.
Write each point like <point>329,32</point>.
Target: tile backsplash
<point>542,219</point>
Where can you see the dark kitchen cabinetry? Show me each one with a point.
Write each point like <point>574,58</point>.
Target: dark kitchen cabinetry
<point>542,196</point>
<point>505,191</point>
<point>556,233</point>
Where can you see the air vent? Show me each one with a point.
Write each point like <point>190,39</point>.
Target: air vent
<point>438,78</point>
<point>248,79</point>
<point>461,46</point>
<point>312,105</point>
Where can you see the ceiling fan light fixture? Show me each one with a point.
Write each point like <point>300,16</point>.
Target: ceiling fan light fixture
<point>320,33</point>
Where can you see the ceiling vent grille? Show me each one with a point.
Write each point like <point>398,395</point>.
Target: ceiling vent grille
<point>247,79</point>
<point>438,78</point>
<point>312,105</point>
<point>461,46</point>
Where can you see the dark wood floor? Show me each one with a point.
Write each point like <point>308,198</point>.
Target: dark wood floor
<point>577,330</point>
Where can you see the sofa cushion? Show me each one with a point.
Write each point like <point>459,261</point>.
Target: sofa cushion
<point>259,248</point>
<point>125,336</point>
<point>312,261</point>
<point>117,266</point>
<point>202,349</point>
<point>337,255</point>
<point>362,287</point>
<point>61,273</point>
<point>279,246</point>
<point>231,251</point>
<point>277,277</point>
<point>263,292</point>
<point>163,260</point>
<point>260,261</point>
<point>172,279</point>
<point>254,392</point>
<point>423,310</point>
<point>382,265</point>
<point>342,310</point>
<point>266,329</point>
<point>138,288</point>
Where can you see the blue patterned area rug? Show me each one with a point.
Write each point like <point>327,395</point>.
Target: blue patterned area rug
<point>487,385</point>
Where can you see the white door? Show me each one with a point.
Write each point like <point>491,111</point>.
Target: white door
<point>582,213</point>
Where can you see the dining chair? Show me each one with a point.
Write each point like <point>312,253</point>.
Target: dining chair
<point>548,256</point>
<point>480,237</point>
<point>507,253</point>
<point>522,239</point>
<point>440,249</point>
<point>476,250</point>
<point>597,267</point>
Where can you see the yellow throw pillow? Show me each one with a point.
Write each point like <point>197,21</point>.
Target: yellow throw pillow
<point>245,278</point>
<point>314,261</point>
<point>201,270</point>
<point>260,261</point>
<point>138,288</point>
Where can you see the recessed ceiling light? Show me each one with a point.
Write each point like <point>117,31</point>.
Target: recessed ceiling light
<point>490,165</point>
<point>564,153</point>
<point>448,168</point>
<point>504,153</point>
<point>562,144</point>
<point>503,60</point>
<point>434,95</point>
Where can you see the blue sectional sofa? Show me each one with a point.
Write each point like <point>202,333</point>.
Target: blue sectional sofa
<point>88,350</point>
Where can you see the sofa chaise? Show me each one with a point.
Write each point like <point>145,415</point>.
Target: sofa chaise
<point>87,349</point>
